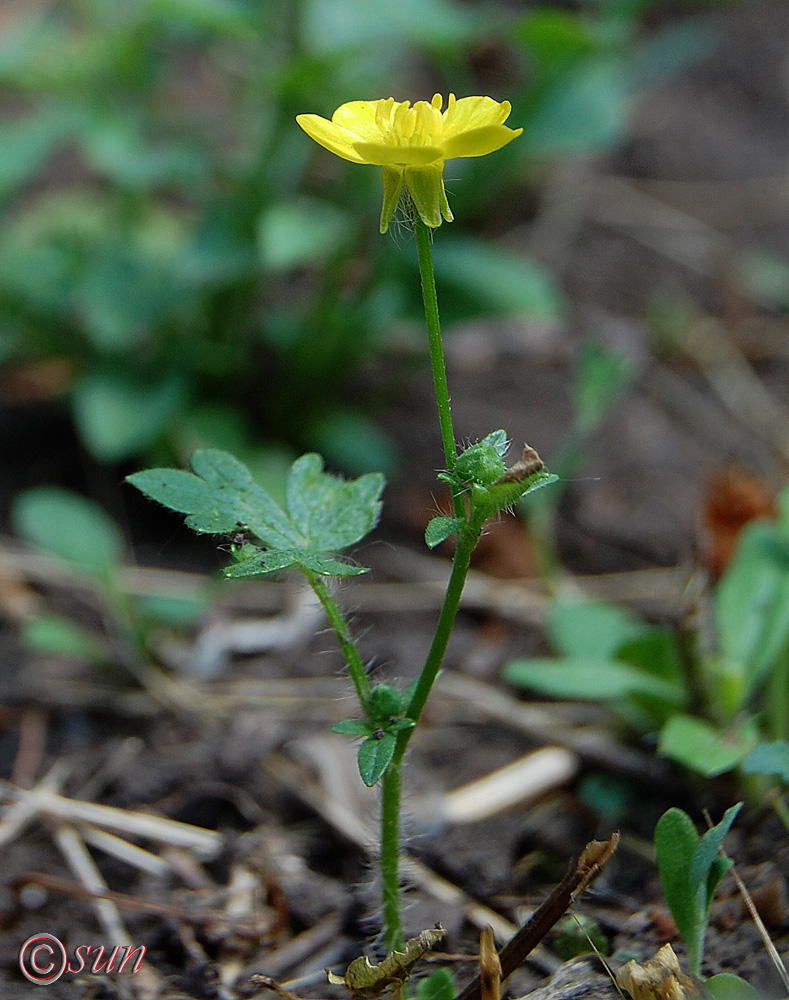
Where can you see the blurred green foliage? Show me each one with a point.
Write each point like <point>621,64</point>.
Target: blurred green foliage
<point>718,702</point>
<point>201,267</point>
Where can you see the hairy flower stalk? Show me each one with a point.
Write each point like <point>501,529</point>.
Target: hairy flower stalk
<point>411,144</point>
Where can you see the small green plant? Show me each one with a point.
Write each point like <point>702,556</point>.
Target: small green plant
<point>323,514</point>
<point>78,532</point>
<point>690,870</point>
<point>715,709</point>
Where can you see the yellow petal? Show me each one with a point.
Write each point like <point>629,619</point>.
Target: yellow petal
<point>389,156</point>
<point>474,112</point>
<point>479,141</point>
<point>392,178</point>
<point>426,187</point>
<point>330,136</point>
<point>359,118</point>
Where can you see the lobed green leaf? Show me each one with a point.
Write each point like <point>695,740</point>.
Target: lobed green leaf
<point>329,512</point>
<point>220,496</point>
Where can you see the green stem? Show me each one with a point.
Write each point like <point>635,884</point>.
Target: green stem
<point>340,627</point>
<point>392,780</point>
<point>424,249</point>
<point>777,698</point>
<point>467,541</point>
<point>389,863</point>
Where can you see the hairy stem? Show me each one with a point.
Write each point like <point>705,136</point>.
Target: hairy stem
<point>424,249</point>
<point>390,855</point>
<point>347,645</point>
<point>392,780</point>
<point>467,540</point>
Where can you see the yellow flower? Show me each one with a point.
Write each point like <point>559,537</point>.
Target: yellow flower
<point>412,143</point>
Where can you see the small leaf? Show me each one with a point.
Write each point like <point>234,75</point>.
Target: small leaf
<point>352,727</point>
<point>584,111</point>
<point>769,758</point>
<point>498,440</point>
<point>497,280</point>
<point>261,563</point>
<point>706,866</point>
<point>690,870</point>
<point>601,377</point>
<point>441,528</point>
<point>752,603</point>
<point>703,748</point>
<point>69,526</point>
<point>302,232</point>
<point>374,756</point>
<point>726,986</point>
<point>220,496</point>
<point>676,841</point>
<point>118,415</point>
<point>589,679</point>
<point>591,628</point>
<point>439,985</point>
<point>400,724</point>
<point>61,637</point>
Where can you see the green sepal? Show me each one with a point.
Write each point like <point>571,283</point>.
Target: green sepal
<point>481,464</point>
<point>488,501</point>
<point>352,727</point>
<point>374,756</point>
<point>385,702</point>
<point>392,178</point>
<point>426,186</point>
<point>441,528</point>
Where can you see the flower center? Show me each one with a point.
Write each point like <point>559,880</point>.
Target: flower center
<point>399,124</point>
